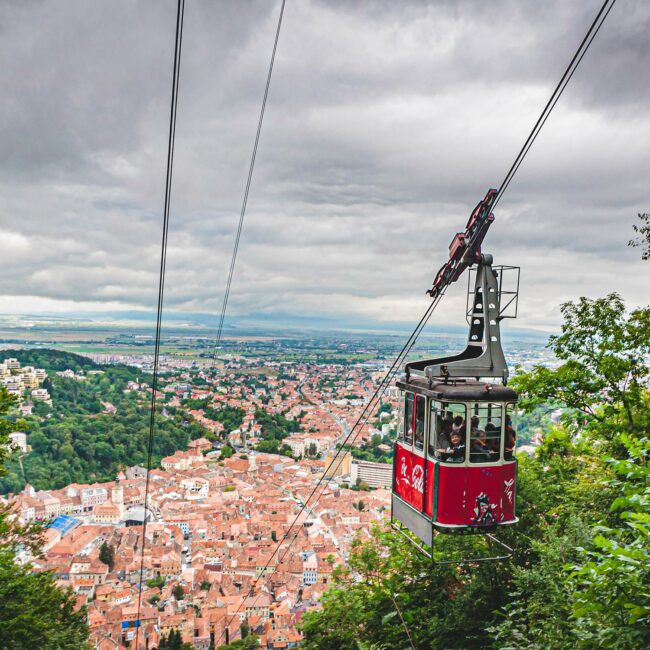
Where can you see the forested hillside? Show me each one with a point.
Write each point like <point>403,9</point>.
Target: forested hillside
<point>76,439</point>
<point>580,574</point>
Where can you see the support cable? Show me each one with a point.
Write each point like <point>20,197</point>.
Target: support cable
<point>358,427</point>
<point>557,93</point>
<point>249,179</point>
<point>161,285</point>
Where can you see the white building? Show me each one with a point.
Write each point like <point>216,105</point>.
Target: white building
<point>309,568</point>
<point>374,474</point>
<point>93,496</point>
<point>18,441</point>
<point>41,395</point>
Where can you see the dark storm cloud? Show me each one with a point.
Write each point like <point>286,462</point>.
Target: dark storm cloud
<point>386,123</point>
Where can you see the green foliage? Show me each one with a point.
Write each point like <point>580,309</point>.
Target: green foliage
<point>275,426</point>
<point>611,580</point>
<point>205,585</point>
<point>7,402</point>
<point>107,555</point>
<point>226,452</point>
<point>231,417</point>
<point>580,573</point>
<point>249,643</point>
<point>644,235</point>
<point>51,360</point>
<point>268,446</point>
<point>604,353</point>
<point>79,442</point>
<point>157,582</point>
<point>34,611</point>
<point>173,641</point>
<point>178,592</point>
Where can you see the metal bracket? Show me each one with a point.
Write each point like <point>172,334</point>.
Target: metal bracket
<point>483,356</point>
<point>430,553</point>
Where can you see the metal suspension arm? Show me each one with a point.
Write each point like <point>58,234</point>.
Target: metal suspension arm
<point>465,247</point>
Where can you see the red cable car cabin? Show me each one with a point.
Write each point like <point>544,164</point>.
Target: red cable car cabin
<point>454,467</point>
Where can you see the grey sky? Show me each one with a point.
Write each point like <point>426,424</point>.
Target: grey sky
<point>386,123</point>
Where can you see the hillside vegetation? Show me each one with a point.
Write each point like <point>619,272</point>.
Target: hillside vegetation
<point>76,440</point>
<point>580,574</point>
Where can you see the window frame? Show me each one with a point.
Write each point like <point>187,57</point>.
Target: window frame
<point>408,426</point>
<point>477,409</point>
<point>419,449</point>
<point>438,407</point>
<point>510,410</point>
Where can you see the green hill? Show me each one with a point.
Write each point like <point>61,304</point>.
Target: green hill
<point>76,439</point>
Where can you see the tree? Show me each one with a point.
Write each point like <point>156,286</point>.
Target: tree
<point>7,402</point>
<point>579,576</point>
<point>611,604</point>
<point>604,351</point>
<point>226,452</point>
<point>107,555</point>
<point>205,585</point>
<point>178,592</point>
<point>644,239</point>
<point>34,611</point>
<point>157,582</point>
<point>249,643</point>
<point>173,641</point>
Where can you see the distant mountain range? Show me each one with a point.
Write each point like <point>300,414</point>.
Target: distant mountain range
<point>255,322</point>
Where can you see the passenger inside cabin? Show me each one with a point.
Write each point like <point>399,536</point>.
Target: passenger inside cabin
<point>455,453</point>
<point>458,424</point>
<point>444,438</point>
<point>493,436</point>
<point>511,440</point>
<point>475,421</point>
<point>479,450</point>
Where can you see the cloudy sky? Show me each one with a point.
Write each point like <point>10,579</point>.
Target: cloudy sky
<point>386,123</point>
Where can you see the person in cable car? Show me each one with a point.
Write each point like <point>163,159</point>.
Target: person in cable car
<point>479,451</point>
<point>511,439</point>
<point>455,452</point>
<point>444,440</point>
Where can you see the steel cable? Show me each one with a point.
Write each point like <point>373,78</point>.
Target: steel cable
<point>249,180</point>
<point>557,93</point>
<point>161,286</point>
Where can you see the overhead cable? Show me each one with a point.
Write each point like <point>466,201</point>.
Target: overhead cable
<point>161,285</point>
<point>363,418</point>
<point>333,465</point>
<point>557,93</point>
<point>249,179</point>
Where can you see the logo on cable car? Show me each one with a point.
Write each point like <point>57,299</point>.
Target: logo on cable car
<point>508,488</point>
<point>404,470</point>
<point>418,478</point>
<point>483,515</point>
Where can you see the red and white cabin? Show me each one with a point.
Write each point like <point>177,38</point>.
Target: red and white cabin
<point>467,487</point>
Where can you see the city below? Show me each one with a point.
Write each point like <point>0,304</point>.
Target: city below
<point>251,503</point>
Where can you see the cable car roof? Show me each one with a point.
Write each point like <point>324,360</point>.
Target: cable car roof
<point>463,390</point>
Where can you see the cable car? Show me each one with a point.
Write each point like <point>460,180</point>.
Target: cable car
<point>454,466</point>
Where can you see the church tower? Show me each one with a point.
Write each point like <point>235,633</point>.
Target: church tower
<point>117,496</point>
<point>252,466</point>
